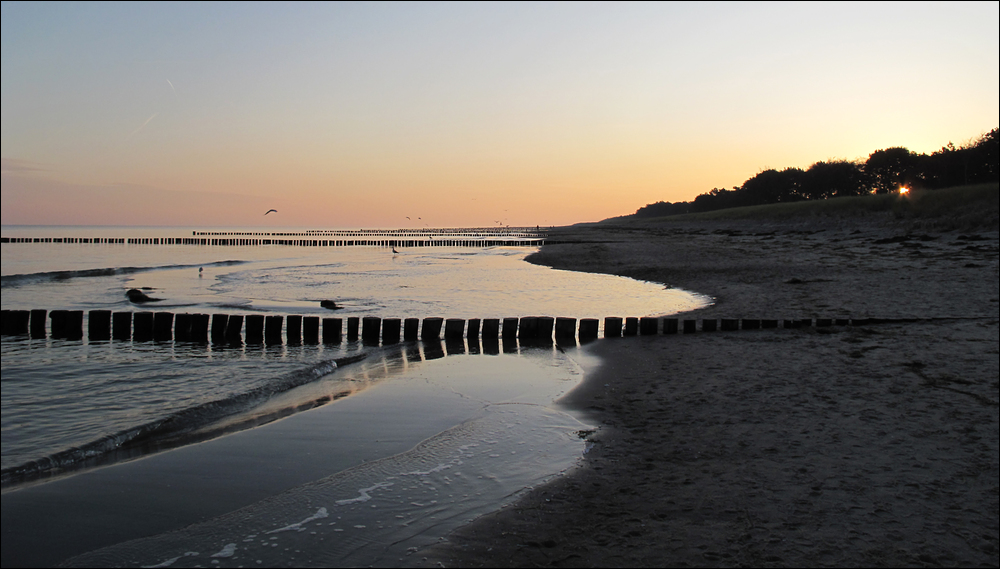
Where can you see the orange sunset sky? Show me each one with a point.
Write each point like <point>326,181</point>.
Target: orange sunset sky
<point>359,115</point>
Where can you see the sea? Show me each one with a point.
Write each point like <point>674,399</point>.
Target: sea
<point>128,453</point>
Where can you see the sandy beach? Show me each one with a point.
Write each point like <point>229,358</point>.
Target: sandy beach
<point>870,445</point>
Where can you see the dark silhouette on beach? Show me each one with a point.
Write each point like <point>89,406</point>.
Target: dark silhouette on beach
<point>136,296</point>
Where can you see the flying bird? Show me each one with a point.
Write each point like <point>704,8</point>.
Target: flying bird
<point>270,210</point>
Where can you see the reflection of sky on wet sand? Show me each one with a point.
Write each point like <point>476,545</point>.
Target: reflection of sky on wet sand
<point>485,429</point>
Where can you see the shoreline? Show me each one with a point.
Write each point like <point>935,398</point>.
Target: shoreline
<point>865,445</point>
<point>438,412</point>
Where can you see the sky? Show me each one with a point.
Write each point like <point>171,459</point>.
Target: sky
<point>359,115</point>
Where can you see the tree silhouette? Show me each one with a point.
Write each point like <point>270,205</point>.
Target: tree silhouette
<point>772,186</point>
<point>890,168</point>
<point>833,180</point>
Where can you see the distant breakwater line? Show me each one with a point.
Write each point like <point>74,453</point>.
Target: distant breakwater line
<point>384,238</point>
<point>237,329</point>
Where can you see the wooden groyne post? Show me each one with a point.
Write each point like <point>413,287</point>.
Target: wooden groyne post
<point>255,329</point>
<point>332,329</point>
<point>310,330</point>
<point>431,329</point>
<point>370,329</point>
<point>390,330</point>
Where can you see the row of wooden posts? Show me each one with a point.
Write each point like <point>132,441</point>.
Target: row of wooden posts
<point>256,241</point>
<point>259,328</point>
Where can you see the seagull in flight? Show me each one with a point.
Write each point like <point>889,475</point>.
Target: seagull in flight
<point>270,210</point>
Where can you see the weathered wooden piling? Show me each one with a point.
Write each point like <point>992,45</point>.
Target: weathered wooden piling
<point>454,328</point>
<point>410,328</point>
<point>199,328</point>
<point>612,327</point>
<point>527,328</point>
<point>121,326</point>
<point>491,329</point>
<point>37,326</point>
<point>709,325</point>
<point>142,324</point>
<point>751,324</point>
<point>545,324</point>
<point>99,325</point>
<point>219,322</point>
<point>371,327</point>
<point>12,322</point>
<point>823,322</point>
<point>352,328</point>
<point>472,332</point>
<point>648,326</point>
<point>730,324</point>
<point>670,325</point>
<point>768,324</point>
<point>510,328</point>
<point>431,329</point>
<point>74,324</point>
<point>332,330</point>
<point>234,329</point>
<point>293,329</point>
<point>255,329</point>
<point>182,327</point>
<point>390,330</point>
<point>842,322</point>
<point>690,326</point>
<point>565,328</point>
<point>57,325</point>
<point>310,329</point>
<point>18,323</point>
<point>163,326</point>
<point>789,324</point>
<point>588,329</point>
<point>631,326</point>
<point>805,323</point>
<point>272,328</point>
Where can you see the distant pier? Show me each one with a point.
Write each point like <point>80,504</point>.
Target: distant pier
<point>384,238</point>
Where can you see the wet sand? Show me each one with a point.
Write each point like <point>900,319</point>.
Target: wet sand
<point>872,445</point>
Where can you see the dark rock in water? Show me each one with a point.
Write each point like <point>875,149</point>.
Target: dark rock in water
<point>329,304</point>
<point>137,296</point>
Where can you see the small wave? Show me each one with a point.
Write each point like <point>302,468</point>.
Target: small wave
<point>178,429</point>
<point>56,276</point>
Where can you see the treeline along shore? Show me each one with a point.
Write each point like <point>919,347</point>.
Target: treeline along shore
<point>885,171</point>
<point>871,445</point>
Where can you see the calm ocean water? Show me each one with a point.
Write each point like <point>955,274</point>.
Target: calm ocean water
<point>67,404</point>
